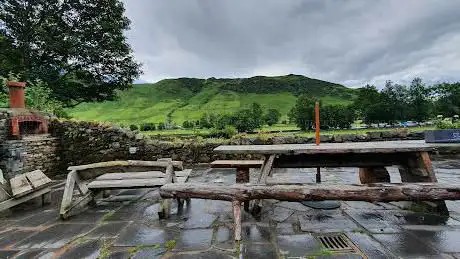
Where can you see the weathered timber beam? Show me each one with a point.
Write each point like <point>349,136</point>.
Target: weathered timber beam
<point>370,192</point>
<point>340,160</point>
<point>177,164</point>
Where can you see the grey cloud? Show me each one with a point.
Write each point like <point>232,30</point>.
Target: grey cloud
<point>351,42</point>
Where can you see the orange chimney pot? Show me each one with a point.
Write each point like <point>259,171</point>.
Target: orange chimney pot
<point>17,99</point>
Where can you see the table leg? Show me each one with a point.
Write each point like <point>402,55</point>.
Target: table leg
<point>264,173</point>
<point>242,176</point>
<point>237,219</point>
<point>419,169</point>
<point>374,175</point>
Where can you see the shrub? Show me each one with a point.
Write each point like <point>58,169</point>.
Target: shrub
<point>133,127</point>
<point>227,132</point>
<point>187,125</point>
<point>147,126</point>
<point>161,126</point>
<point>272,117</point>
<point>447,125</point>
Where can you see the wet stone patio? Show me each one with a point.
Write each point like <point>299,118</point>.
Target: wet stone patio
<point>126,225</point>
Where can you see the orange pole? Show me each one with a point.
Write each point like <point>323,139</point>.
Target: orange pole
<point>317,123</point>
<point>318,170</point>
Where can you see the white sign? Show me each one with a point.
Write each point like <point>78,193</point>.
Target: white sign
<point>132,150</point>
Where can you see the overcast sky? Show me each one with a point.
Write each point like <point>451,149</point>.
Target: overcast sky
<point>348,42</point>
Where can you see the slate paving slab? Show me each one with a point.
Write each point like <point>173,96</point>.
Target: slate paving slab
<point>148,253</point>
<point>109,229</point>
<point>150,213</point>
<point>375,221</point>
<point>284,229</point>
<point>47,217</point>
<point>7,254</point>
<point>280,214</point>
<point>368,246</point>
<point>87,217</point>
<point>142,234</point>
<point>204,220</point>
<point>298,245</point>
<point>196,239</point>
<point>55,236</point>
<point>446,241</point>
<point>210,254</point>
<point>9,238</point>
<point>27,254</point>
<point>294,206</point>
<point>325,221</point>
<point>129,212</point>
<point>224,238</point>
<point>258,251</point>
<point>260,233</point>
<point>88,250</point>
<point>405,245</point>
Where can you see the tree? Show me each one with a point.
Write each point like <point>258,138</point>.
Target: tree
<point>205,121</point>
<point>77,47</point>
<point>303,112</point>
<point>272,117</point>
<point>243,120</point>
<point>420,104</point>
<point>368,95</point>
<point>256,115</point>
<point>448,99</point>
<point>187,125</point>
<point>336,117</point>
<point>395,97</point>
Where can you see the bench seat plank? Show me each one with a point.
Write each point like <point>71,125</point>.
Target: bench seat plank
<point>126,183</point>
<point>130,183</point>
<point>237,163</point>
<point>139,175</point>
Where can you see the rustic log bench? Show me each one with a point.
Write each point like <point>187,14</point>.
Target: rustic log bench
<point>238,193</point>
<point>119,175</point>
<point>242,170</point>
<point>411,157</point>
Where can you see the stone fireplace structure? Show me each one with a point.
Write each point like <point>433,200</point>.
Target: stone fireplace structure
<point>25,144</point>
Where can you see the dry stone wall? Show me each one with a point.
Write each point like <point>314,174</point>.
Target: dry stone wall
<point>89,142</point>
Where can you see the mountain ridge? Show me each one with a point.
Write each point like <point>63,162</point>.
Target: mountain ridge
<point>189,98</point>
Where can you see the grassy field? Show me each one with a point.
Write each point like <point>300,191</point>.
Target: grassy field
<point>281,128</point>
<point>185,101</point>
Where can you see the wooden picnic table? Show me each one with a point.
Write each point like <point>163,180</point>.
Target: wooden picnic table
<point>411,157</point>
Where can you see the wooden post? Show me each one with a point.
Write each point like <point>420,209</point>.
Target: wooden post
<point>317,126</point>
<point>420,169</point>
<point>237,219</point>
<point>242,176</point>
<point>165,204</point>
<point>374,175</point>
<point>264,172</point>
<point>318,139</point>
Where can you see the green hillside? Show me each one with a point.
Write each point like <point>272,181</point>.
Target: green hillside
<point>190,98</point>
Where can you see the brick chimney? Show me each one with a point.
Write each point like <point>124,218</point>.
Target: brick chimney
<point>17,94</point>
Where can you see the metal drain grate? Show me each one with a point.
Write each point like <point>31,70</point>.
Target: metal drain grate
<point>337,243</point>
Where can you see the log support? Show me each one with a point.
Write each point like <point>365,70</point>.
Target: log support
<point>265,171</point>
<point>242,176</point>
<point>68,206</point>
<point>419,169</point>
<point>315,192</point>
<point>237,219</point>
<point>374,175</point>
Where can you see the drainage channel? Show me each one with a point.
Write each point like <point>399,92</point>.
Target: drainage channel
<point>339,243</point>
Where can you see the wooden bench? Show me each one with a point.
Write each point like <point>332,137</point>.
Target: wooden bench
<point>239,193</point>
<point>242,170</point>
<point>91,179</point>
<point>25,187</point>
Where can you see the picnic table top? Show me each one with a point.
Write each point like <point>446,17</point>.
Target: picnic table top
<point>330,148</point>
